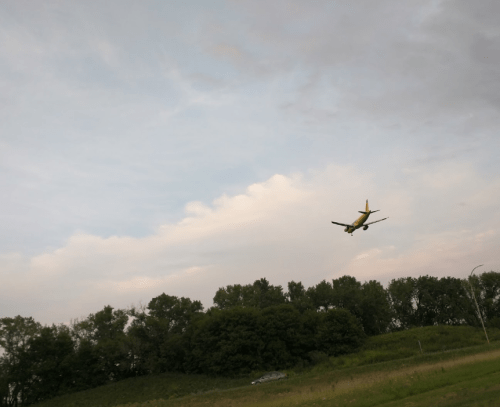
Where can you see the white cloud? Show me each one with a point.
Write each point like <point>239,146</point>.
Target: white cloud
<point>369,253</point>
<point>452,253</point>
<point>148,284</point>
<point>279,229</point>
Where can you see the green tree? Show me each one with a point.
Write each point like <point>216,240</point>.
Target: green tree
<point>87,369</point>
<point>137,342</point>
<point>489,283</point>
<point>175,315</point>
<point>104,330</point>
<point>339,332</point>
<point>454,308</point>
<point>260,294</point>
<point>427,293</point>
<point>230,297</point>
<point>402,293</point>
<point>226,342</point>
<point>441,301</point>
<point>321,296</point>
<point>47,364</point>
<point>347,294</point>
<point>427,300</point>
<point>175,312</point>
<point>280,331</point>
<point>156,337</point>
<point>375,308</point>
<point>15,334</point>
<point>267,295</point>
<point>297,296</point>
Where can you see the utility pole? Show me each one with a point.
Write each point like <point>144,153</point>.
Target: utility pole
<point>473,296</point>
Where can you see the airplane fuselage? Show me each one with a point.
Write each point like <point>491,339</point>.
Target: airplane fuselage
<point>358,223</point>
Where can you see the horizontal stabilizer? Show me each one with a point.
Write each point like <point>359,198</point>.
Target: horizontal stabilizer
<point>369,212</point>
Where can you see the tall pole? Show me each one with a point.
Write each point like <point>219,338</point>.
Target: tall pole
<point>473,296</point>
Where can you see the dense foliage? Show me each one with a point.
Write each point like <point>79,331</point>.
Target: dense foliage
<point>250,328</point>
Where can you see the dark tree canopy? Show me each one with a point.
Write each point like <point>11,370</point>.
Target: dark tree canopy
<point>402,294</point>
<point>347,294</point>
<point>226,342</point>
<point>260,294</point>
<point>251,327</point>
<point>339,332</point>
<point>15,336</point>
<point>155,335</point>
<point>376,313</point>
<point>297,296</point>
<point>321,295</point>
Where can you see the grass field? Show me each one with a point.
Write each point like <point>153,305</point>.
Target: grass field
<point>455,367</point>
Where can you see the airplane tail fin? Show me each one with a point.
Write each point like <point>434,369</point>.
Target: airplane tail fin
<point>368,209</point>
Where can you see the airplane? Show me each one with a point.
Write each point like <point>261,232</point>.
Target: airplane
<point>360,222</point>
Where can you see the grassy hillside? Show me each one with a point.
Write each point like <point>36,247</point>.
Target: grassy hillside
<point>405,344</point>
<point>381,357</point>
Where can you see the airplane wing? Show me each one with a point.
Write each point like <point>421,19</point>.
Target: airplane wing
<point>341,224</point>
<point>380,220</point>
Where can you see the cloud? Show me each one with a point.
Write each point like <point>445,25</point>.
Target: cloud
<point>369,253</point>
<point>426,61</point>
<point>440,255</point>
<point>423,62</point>
<point>138,283</point>
<point>278,229</point>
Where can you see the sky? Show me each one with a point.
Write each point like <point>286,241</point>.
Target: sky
<point>178,147</point>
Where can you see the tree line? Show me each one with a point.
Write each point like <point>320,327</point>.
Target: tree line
<point>252,327</point>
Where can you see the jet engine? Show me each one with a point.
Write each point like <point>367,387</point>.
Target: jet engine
<point>365,227</point>
<point>345,230</point>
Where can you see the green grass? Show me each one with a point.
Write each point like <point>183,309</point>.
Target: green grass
<point>142,389</point>
<point>476,384</point>
<point>380,355</point>
<point>473,384</point>
<point>399,345</point>
<point>418,379</point>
